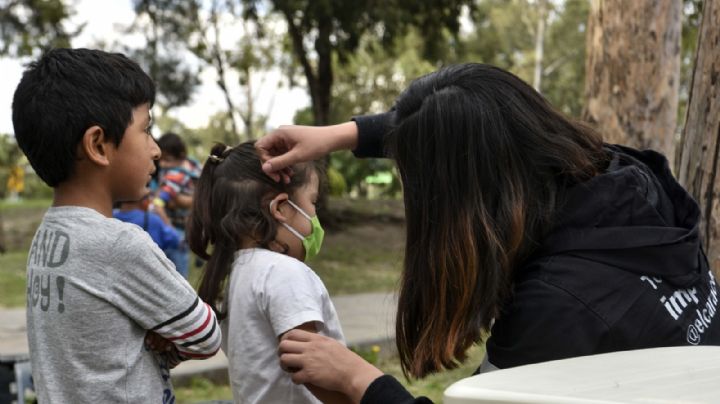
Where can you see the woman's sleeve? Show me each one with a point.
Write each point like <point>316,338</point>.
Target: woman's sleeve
<point>386,389</point>
<point>371,134</point>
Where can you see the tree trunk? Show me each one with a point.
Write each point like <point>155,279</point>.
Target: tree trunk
<point>700,147</point>
<point>220,65</point>
<point>632,71</point>
<point>324,72</point>
<point>539,44</point>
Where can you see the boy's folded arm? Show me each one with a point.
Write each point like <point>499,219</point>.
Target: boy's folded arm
<point>194,332</point>
<point>148,289</point>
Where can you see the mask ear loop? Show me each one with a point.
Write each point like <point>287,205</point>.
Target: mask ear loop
<point>287,226</point>
<point>302,212</point>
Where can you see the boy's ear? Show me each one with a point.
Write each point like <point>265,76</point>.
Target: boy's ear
<point>277,206</point>
<point>95,146</point>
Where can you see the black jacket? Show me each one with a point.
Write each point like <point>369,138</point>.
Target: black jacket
<point>622,269</point>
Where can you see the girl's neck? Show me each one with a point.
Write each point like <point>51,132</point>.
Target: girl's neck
<point>248,243</point>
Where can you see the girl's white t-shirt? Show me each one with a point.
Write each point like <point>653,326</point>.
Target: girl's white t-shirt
<point>269,294</point>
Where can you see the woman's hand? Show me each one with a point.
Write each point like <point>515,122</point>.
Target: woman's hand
<point>326,363</point>
<point>288,145</point>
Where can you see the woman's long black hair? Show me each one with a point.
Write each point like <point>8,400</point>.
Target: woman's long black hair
<point>484,160</point>
<point>230,204</point>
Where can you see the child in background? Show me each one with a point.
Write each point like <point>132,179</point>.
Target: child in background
<point>178,175</point>
<point>139,213</point>
<point>261,232</point>
<point>98,288</point>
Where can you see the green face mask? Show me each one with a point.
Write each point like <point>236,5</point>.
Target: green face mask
<point>313,241</point>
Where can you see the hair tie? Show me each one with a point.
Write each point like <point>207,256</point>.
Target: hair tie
<point>219,159</point>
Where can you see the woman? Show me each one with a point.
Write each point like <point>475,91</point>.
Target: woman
<point>520,222</point>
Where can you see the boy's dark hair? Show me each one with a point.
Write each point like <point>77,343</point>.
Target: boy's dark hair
<point>171,144</point>
<point>231,202</point>
<point>67,91</point>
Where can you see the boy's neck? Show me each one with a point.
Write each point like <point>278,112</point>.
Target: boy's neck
<point>83,194</point>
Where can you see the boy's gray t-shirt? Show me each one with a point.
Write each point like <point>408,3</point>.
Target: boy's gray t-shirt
<point>95,285</point>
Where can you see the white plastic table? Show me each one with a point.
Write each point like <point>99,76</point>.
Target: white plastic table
<point>659,375</point>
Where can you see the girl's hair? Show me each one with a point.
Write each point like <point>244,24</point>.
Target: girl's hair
<point>484,160</point>
<point>230,204</point>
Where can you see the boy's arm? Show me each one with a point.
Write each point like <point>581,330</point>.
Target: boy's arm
<point>194,332</point>
<point>148,289</point>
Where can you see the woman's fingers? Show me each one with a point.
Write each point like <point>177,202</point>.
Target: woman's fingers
<point>300,335</point>
<point>291,362</point>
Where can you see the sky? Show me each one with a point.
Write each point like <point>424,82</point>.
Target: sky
<point>104,18</point>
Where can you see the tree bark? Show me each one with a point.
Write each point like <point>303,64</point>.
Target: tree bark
<point>539,44</point>
<point>633,71</point>
<point>320,81</point>
<point>700,147</point>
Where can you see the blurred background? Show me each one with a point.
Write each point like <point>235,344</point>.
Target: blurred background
<point>231,70</point>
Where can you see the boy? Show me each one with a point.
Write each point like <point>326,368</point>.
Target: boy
<point>178,175</point>
<point>96,285</point>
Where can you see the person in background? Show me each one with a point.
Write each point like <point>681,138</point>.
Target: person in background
<point>140,213</point>
<point>177,178</point>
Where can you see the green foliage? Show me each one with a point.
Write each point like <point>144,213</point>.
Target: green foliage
<point>166,25</point>
<point>193,30</point>
<point>9,155</point>
<point>504,36</point>
<point>336,182</point>
<point>355,171</point>
<point>323,33</point>
<point>28,27</point>
<point>564,69</point>
<point>374,75</point>
<point>35,188</point>
<point>502,33</point>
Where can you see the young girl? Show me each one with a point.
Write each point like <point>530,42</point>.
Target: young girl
<point>255,234</point>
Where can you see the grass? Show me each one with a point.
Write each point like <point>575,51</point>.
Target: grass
<point>434,385</point>
<point>201,389</point>
<point>12,279</point>
<point>431,386</point>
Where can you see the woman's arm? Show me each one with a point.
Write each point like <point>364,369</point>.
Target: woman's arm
<point>288,145</point>
<point>326,396</point>
<point>324,362</point>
